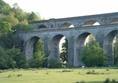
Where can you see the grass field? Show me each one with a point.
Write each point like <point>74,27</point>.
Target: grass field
<point>91,75</point>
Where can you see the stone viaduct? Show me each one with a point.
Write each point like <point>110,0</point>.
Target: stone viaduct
<point>104,27</point>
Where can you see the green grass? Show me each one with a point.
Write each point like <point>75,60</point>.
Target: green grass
<point>57,75</point>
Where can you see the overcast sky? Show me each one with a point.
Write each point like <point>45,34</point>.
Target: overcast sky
<point>66,8</point>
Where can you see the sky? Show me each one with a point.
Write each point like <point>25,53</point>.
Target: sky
<point>66,8</point>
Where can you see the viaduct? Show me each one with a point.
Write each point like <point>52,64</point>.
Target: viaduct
<point>104,27</point>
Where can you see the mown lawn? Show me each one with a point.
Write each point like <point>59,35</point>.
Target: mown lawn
<point>91,75</point>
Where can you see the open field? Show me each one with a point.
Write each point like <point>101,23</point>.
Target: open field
<point>57,75</point>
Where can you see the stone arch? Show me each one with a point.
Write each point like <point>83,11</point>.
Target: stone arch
<point>41,26</point>
<point>114,21</point>
<point>66,25</point>
<point>30,44</point>
<point>91,23</point>
<point>80,43</point>
<point>108,43</point>
<point>54,47</point>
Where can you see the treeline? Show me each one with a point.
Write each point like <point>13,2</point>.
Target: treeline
<point>12,20</point>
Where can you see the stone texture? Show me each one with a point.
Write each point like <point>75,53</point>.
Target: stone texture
<point>76,34</point>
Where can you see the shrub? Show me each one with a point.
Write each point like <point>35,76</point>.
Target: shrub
<point>107,80</point>
<point>5,60</point>
<point>54,64</point>
<point>93,55</point>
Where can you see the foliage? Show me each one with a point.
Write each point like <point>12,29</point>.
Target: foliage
<point>18,57</point>
<point>93,55</point>
<point>63,54</point>
<point>23,27</point>
<point>54,64</point>
<point>5,60</point>
<point>38,59</point>
<point>110,81</point>
<point>4,7</point>
<point>5,28</point>
<point>12,20</point>
<point>32,17</point>
<point>116,52</point>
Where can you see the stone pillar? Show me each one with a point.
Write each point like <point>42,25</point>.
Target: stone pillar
<point>77,55</point>
<point>28,49</point>
<point>54,51</point>
<point>46,51</point>
<point>70,57</point>
<point>108,52</point>
<point>107,47</point>
<point>100,38</point>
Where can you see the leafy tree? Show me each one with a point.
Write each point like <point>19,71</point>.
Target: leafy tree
<point>5,34</point>
<point>63,54</point>
<point>18,58</point>
<point>38,59</point>
<point>10,19</point>
<point>54,64</point>
<point>13,20</point>
<point>4,7</point>
<point>33,17</point>
<point>5,60</point>
<point>5,28</point>
<point>18,13</point>
<point>23,27</point>
<point>93,55</point>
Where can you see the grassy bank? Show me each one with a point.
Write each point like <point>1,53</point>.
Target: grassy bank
<point>57,75</point>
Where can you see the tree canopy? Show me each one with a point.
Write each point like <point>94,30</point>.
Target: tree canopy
<point>93,55</point>
<point>12,20</point>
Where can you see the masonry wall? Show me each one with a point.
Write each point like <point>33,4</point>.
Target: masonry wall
<point>83,26</point>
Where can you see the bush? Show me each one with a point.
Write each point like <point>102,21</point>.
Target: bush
<point>54,64</point>
<point>18,58</point>
<point>5,60</point>
<point>35,63</point>
<point>109,81</point>
<point>93,55</point>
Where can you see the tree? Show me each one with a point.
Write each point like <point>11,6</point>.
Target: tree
<point>93,55</point>
<point>18,58</point>
<point>4,7</point>
<point>10,19</point>
<point>23,27</point>
<point>5,28</point>
<point>18,13</point>
<point>13,20</point>
<point>5,60</point>
<point>5,34</point>
<point>33,17</point>
<point>63,54</point>
<point>38,59</point>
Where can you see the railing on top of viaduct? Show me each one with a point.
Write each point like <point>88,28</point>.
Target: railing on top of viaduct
<point>81,21</point>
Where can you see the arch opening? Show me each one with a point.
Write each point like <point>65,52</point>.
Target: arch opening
<point>85,38</point>
<point>91,23</point>
<point>82,40</point>
<point>58,52</point>
<point>41,27</point>
<point>67,25</point>
<point>109,46</point>
<point>34,50</point>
